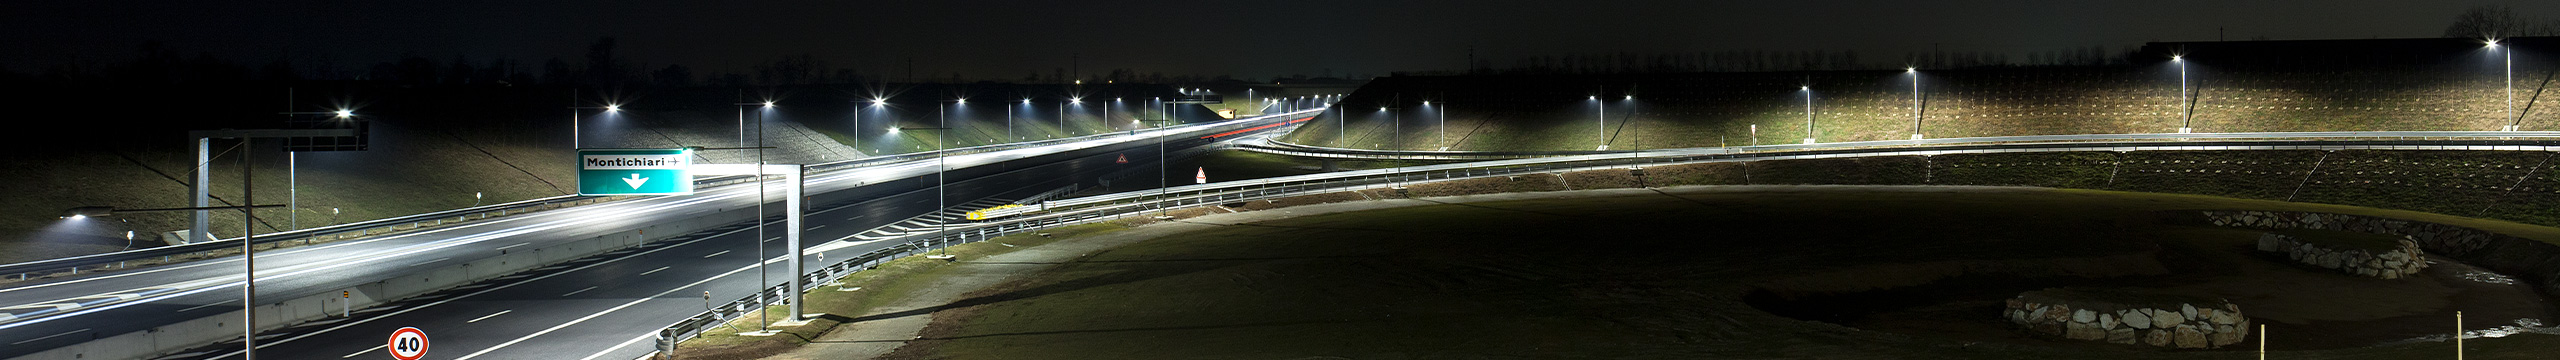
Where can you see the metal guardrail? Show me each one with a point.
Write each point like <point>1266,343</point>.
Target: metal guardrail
<point>164,254</point>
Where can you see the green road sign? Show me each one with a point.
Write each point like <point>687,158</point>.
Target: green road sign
<point>635,172</point>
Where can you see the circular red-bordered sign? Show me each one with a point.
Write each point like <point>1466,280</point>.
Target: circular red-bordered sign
<point>408,343</point>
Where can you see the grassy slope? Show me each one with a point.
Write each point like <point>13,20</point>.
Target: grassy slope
<point>1494,113</point>
<point>1438,281</point>
<point>880,286</point>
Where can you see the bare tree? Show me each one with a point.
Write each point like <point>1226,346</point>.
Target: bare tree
<point>2498,21</point>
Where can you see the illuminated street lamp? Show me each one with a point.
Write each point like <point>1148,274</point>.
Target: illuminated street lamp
<point>1808,112</point>
<point>574,143</point>
<point>1442,129</point>
<point>1008,119</point>
<point>857,123</point>
<point>1915,100</point>
<point>2187,109</point>
<point>2513,122</point>
<point>293,168</point>
<point>1601,119</point>
<point>1062,115</point>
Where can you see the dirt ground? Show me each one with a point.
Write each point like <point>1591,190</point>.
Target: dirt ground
<point>1635,273</point>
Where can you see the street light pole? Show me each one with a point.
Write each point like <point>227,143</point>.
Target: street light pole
<point>762,321</point>
<point>2187,109</point>
<point>293,163</point>
<point>1808,112</point>
<point>1601,118</point>
<point>1915,101</point>
<point>574,142</point>
<point>2513,122</point>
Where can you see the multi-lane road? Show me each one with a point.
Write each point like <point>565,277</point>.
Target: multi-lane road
<point>600,306</point>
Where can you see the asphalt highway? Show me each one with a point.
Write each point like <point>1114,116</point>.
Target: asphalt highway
<point>563,311</point>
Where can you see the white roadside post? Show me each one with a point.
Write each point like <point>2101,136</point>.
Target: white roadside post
<point>791,219</point>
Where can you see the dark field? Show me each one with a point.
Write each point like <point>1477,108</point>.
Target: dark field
<point>1724,272</point>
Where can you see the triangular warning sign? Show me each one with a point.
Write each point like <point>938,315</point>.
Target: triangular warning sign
<point>1124,158</point>
<point>1203,178</point>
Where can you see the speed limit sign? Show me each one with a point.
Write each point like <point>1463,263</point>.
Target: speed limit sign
<point>408,343</point>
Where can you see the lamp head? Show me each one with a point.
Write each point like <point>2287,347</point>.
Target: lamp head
<point>768,104</point>
<point>613,108</point>
<point>344,113</point>
<point>2177,57</point>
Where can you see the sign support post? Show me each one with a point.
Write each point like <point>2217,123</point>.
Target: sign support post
<point>792,201</point>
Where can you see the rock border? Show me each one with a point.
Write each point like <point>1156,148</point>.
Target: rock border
<point>2398,263</point>
<point>2187,326</point>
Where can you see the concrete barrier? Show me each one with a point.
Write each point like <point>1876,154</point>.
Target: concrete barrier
<point>174,337</point>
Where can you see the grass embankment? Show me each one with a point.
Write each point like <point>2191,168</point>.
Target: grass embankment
<point>1530,113</point>
<point>1645,275</point>
<point>893,280</point>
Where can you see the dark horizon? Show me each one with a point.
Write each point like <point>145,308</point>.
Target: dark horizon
<point>996,40</point>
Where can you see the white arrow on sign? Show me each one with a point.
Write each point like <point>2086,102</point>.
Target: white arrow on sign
<point>635,180</point>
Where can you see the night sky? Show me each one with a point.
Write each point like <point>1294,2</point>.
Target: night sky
<point>1252,39</point>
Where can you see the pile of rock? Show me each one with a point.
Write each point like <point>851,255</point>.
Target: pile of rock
<point>2131,319</point>
<point>2396,263</point>
<point>2440,239</point>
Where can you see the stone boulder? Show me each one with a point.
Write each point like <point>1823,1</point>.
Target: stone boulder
<point>2129,317</point>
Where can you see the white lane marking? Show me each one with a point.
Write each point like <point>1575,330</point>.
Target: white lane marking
<point>299,269</point>
<point>619,346</point>
<point>654,271</point>
<point>225,302</point>
<point>441,302</point>
<point>500,312</point>
<point>430,261</point>
<point>48,337</point>
<point>375,347</point>
<point>815,227</point>
<point>606,311</point>
<point>715,254</point>
<point>502,248</point>
<point>589,288</point>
